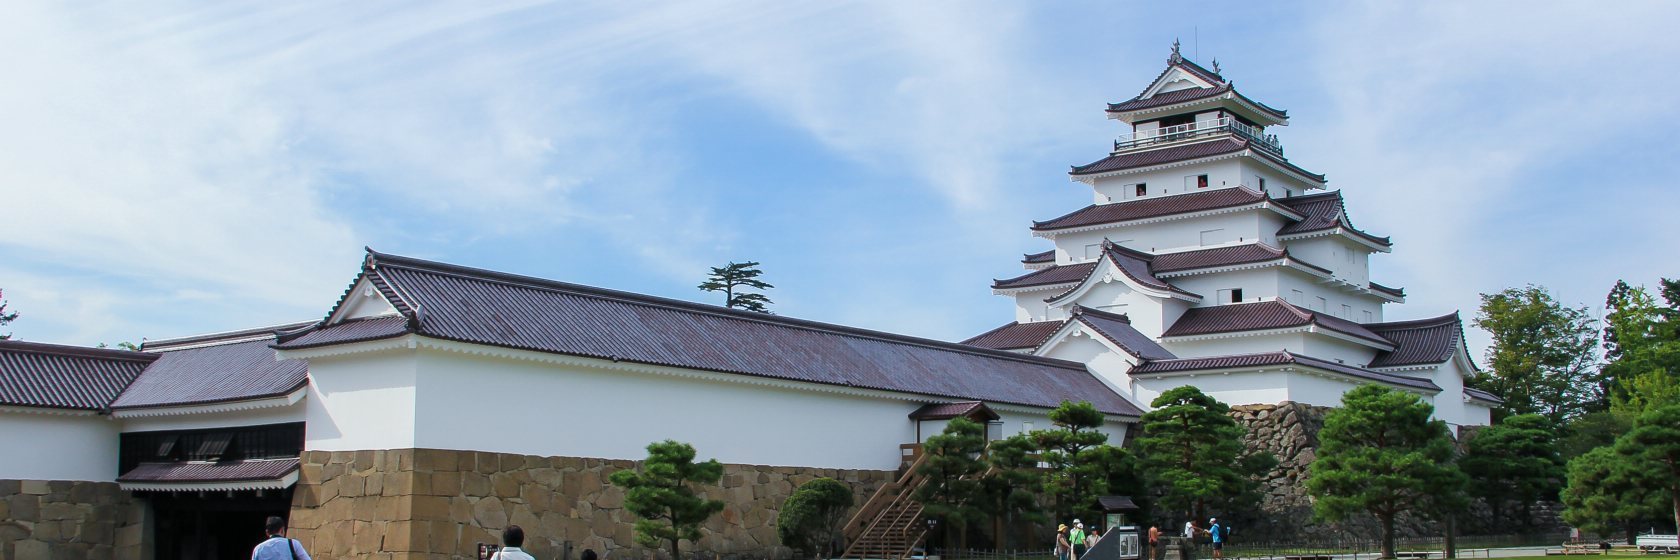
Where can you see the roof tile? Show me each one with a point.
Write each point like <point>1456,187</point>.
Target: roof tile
<point>1278,358</point>
<point>1118,329</point>
<point>69,377</point>
<point>1057,274</point>
<point>211,374</point>
<point>1015,336</point>
<point>1152,208</point>
<point>1423,341</point>
<point>1265,315</point>
<point>498,309</point>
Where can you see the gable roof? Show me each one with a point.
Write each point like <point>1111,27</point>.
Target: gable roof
<point>1324,211</point>
<point>1265,315</point>
<point>1182,152</point>
<point>1135,266</point>
<point>1279,358</point>
<point>1484,396</point>
<point>205,370</point>
<point>1039,258</point>
<point>949,410</point>
<point>1195,94</point>
<point>1117,328</point>
<point>1155,207</point>
<point>1015,336</point>
<point>476,306</point>
<point>1421,341</point>
<point>1048,276</point>
<point>57,376</point>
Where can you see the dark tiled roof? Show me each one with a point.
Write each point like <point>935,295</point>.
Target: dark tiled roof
<point>1274,359</point>
<point>1118,329</point>
<point>352,330</point>
<point>1116,503</point>
<point>1182,152</point>
<point>232,471</point>
<point>1396,292</point>
<point>1223,256</point>
<point>1323,211</point>
<point>945,411</point>
<point>1153,207</point>
<point>1481,395</point>
<point>1168,98</point>
<point>1159,156</point>
<point>1015,336</point>
<point>1037,258</point>
<point>68,377</point>
<point>1423,341</point>
<point>214,373</point>
<point>1059,274</point>
<point>1266,315</point>
<point>477,306</point>
<point>1188,66</point>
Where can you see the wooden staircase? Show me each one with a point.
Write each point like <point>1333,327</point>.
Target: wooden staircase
<point>889,525</point>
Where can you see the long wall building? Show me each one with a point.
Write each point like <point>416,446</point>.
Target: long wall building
<point>434,404</point>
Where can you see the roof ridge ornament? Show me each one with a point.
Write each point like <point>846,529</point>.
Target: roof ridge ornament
<point>1176,58</point>
<point>1215,63</point>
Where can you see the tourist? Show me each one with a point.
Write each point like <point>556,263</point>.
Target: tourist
<point>513,537</point>
<point>1078,539</point>
<point>1218,534</point>
<point>278,547</point>
<point>588,554</point>
<point>1063,547</point>
<point>1092,536</point>
<point>1154,541</point>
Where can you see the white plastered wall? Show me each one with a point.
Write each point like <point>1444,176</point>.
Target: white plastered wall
<point>361,402</point>
<point>57,447</point>
<point>1231,389</point>
<point>1149,315</point>
<point>1244,344</point>
<point>1326,347</point>
<point>1217,230</point>
<point>1120,188</point>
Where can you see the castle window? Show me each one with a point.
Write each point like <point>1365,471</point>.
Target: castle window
<point>1297,298</point>
<point>1195,182</point>
<point>1236,295</point>
<point>1367,316</point>
<point>1322,304</point>
<point>1260,182</point>
<point>1347,311</point>
<point>1142,189</point>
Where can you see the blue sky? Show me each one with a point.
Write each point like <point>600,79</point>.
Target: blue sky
<point>179,168</point>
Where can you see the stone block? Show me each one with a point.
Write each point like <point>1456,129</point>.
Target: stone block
<point>475,484</point>
<point>9,487</point>
<point>503,485</point>
<point>445,484</point>
<point>25,507</point>
<point>397,484</point>
<point>399,536</point>
<point>373,484</point>
<point>435,460</point>
<point>430,508</point>
<point>486,463</point>
<point>490,514</point>
<point>32,549</point>
<point>443,536</point>
<point>331,472</point>
<point>34,487</point>
<point>364,538</point>
<point>403,458</point>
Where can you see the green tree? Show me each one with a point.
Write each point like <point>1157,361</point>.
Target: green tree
<point>662,495</point>
<point>731,279</point>
<point>1195,448</point>
<point>1009,486</point>
<point>1075,476</point>
<point>952,468</point>
<point>1516,459</point>
<point>6,317</point>
<point>124,345</point>
<point>1655,442</point>
<point>1543,358</point>
<point>1642,348</point>
<point>1591,431</point>
<point>1608,492</point>
<point>811,516</point>
<point>1380,453</point>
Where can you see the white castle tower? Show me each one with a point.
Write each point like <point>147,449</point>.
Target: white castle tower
<point>1208,258</point>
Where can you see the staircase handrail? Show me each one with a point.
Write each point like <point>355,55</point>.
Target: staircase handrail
<point>855,526</point>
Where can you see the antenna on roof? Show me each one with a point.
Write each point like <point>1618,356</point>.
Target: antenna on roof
<point>1196,42</point>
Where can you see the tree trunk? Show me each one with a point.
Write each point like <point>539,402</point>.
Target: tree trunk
<point>675,554</point>
<point>1451,540</point>
<point>1387,534</point>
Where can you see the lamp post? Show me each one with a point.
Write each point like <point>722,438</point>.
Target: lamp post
<point>932,524</point>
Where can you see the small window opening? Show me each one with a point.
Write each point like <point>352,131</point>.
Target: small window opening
<point>1236,295</point>
<point>1142,189</point>
<point>1201,181</point>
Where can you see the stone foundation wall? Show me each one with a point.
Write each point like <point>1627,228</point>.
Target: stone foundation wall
<point>62,519</point>
<point>438,504</point>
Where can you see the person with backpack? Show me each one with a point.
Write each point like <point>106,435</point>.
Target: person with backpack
<point>278,547</point>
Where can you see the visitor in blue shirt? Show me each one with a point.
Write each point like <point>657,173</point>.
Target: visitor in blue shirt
<point>1218,534</point>
<point>278,547</point>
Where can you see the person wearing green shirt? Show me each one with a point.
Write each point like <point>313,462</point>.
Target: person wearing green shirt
<point>1078,539</point>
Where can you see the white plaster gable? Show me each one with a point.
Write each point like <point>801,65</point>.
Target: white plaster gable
<point>1176,79</point>
<point>365,300</point>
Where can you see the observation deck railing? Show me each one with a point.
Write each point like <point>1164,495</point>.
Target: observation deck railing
<point>1198,130</point>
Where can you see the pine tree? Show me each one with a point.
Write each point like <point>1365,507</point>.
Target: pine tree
<point>1380,453</point>
<point>1009,487</point>
<point>660,493</point>
<point>734,277</point>
<point>1516,459</point>
<point>1192,446</point>
<point>952,467</point>
<point>1607,492</point>
<point>1075,477</point>
<point>1642,347</point>
<point>1655,441</point>
<point>6,317</point>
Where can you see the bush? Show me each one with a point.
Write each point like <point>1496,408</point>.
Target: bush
<point>812,515</point>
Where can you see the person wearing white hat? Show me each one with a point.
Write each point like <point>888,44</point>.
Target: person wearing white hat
<point>1078,539</point>
<point>1218,534</point>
